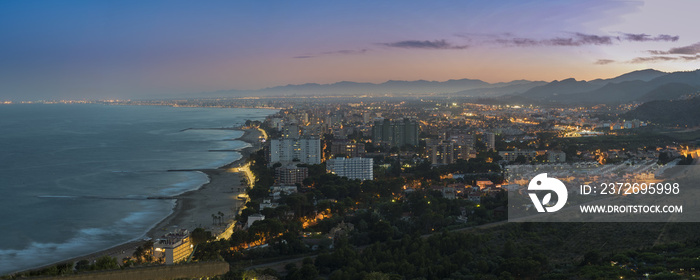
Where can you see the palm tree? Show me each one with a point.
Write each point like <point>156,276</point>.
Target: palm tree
<point>221,218</point>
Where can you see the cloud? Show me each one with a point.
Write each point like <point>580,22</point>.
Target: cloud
<point>653,59</point>
<point>518,42</point>
<point>685,53</point>
<point>603,61</point>
<point>646,37</point>
<point>471,35</point>
<point>692,49</point>
<point>572,39</point>
<point>362,51</point>
<point>560,42</point>
<point>340,52</point>
<point>417,44</point>
<point>691,58</point>
<point>588,39</point>
<point>576,39</point>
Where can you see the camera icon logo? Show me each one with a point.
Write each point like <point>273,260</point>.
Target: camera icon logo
<point>542,183</point>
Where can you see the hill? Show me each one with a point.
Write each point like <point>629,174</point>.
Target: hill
<point>639,75</point>
<point>682,113</point>
<point>638,86</point>
<point>346,88</point>
<point>669,91</point>
<point>558,89</point>
<point>514,87</point>
<point>641,85</point>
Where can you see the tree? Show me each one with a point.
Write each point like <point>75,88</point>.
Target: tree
<point>666,276</point>
<point>591,258</point>
<point>148,246</point>
<point>106,262</point>
<point>64,268</point>
<point>199,236</point>
<point>221,217</point>
<point>83,265</point>
<point>139,253</point>
<point>381,276</point>
<point>307,271</point>
<point>508,249</point>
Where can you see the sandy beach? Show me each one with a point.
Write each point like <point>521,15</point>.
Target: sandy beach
<point>194,208</point>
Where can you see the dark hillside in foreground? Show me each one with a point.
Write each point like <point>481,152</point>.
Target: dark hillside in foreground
<point>676,112</point>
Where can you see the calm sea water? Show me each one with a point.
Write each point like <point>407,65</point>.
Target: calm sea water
<point>74,178</point>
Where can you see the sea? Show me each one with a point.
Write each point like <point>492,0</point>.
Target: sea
<point>74,178</point>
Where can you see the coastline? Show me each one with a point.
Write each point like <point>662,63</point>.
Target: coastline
<point>193,208</point>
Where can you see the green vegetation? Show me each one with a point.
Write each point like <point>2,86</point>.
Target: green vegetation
<point>685,136</point>
<point>54,270</point>
<point>200,236</point>
<point>685,113</point>
<point>330,211</point>
<point>102,263</point>
<point>524,251</point>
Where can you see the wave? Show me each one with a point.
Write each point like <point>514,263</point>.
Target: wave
<point>84,242</point>
<point>14,260</point>
<point>138,171</point>
<point>129,197</point>
<point>61,175</point>
<point>57,196</point>
<point>194,180</point>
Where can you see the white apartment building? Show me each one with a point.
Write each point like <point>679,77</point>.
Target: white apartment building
<point>352,168</point>
<point>303,150</point>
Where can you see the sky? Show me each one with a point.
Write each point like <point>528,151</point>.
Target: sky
<point>149,49</point>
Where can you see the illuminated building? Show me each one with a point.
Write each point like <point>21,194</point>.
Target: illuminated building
<point>513,155</point>
<point>490,140</point>
<point>395,133</point>
<point>352,168</point>
<point>303,150</point>
<point>290,174</point>
<point>556,156</point>
<point>290,131</point>
<point>174,247</point>
<point>347,148</point>
<point>449,151</point>
<point>440,152</point>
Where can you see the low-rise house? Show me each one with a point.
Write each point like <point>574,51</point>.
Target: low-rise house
<point>254,218</point>
<point>267,203</point>
<point>276,192</point>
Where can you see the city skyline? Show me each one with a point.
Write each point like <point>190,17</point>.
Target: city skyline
<point>77,50</point>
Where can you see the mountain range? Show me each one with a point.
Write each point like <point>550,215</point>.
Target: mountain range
<point>637,86</point>
<point>464,87</point>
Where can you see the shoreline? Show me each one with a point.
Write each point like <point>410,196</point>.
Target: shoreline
<point>192,208</point>
<point>222,180</point>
